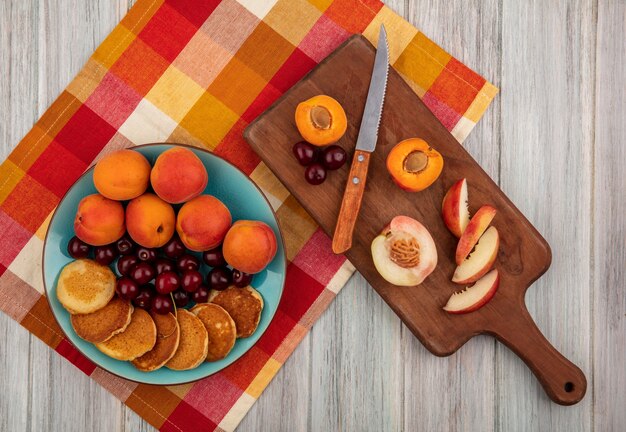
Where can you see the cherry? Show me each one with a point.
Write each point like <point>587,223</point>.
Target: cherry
<point>174,248</point>
<point>146,254</point>
<point>125,246</point>
<point>181,298</point>
<point>315,174</point>
<point>144,298</point>
<point>127,288</point>
<point>162,304</point>
<point>201,295</point>
<point>305,153</point>
<point>126,263</point>
<point>105,255</point>
<point>188,262</point>
<point>334,157</point>
<point>219,278</point>
<point>142,273</point>
<point>241,279</point>
<point>214,257</point>
<point>163,265</point>
<point>167,282</point>
<point>78,248</point>
<point>191,280</point>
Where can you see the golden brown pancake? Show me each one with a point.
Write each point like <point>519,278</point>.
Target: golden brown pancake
<point>220,328</point>
<point>85,286</point>
<point>168,337</point>
<point>138,338</point>
<point>244,305</point>
<point>193,345</point>
<point>104,323</point>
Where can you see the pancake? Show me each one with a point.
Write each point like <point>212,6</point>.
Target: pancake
<point>85,286</point>
<point>220,328</point>
<point>244,305</point>
<point>138,338</point>
<point>193,345</point>
<point>168,337</point>
<point>104,323</point>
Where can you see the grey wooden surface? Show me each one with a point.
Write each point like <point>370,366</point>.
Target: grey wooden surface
<point>555,141</point>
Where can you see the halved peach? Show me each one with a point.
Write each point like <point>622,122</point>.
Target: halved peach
<point>454,208</point>
<point>480,260</point>
<point>477,226</point>
<point>414,165</point>
<point>404,253</point>
<point>474,297</point>
<point>321,120</point>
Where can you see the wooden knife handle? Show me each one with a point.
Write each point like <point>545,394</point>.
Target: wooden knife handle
<point>351,203</point>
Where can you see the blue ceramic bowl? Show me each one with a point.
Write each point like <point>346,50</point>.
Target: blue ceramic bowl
<point>244,200</point>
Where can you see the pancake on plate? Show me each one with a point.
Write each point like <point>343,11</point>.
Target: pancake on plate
<point>85,286</point>
<point>193,345</point>
<point>244,305</point>
<point>168,337</point>
<point>138,338</point>
<point>220,328</point>
<point>104,323</point>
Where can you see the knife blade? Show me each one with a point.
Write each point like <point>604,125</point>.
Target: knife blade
<point>365,145</point>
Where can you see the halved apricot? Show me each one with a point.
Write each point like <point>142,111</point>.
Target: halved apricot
<point>321,120</point>
<point>414,165</point>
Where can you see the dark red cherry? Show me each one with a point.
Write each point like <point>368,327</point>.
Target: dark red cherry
<point>125,246</point>
<point>201,295</point>
<point>174,248</point>
<point>127,288</point>
<point>163,264</point>
<point>188,262</point>
<point>142,273</point>
<point>305,153</point>
<point>334,157</point>
<point>167,282</point>
<point>241,279</point>
<point>126,263</point>
<point>219,278</point>
<point>162,304</point>
<point>146,254</point>
<point>78,248</point>
<point>144,298</point>
<point>105,255</point>
<point>181,298</point>
<point>214,257</point>
<point>191,280</point>
<point>315,174</point>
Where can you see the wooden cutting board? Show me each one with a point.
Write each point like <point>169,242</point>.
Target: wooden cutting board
<point>523,257</point>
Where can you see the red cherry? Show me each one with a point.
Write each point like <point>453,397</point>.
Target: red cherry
<point>334,157</point>
<point>174,248</point>
<point>126,263</point>
<point>125,246</point>
<point>162,304</point>
<point>191,280</point>
<point>201,295</point>
<point>145,296</point>
<point>305,153</point>
<point>315,174</point>
<point>188,262</point>
<point>127,288</point>
<point>105,255</point>
<point>241,279</point>
<point>142,273</point>
<point>181,298</point>
<point>214,257</point>
<point>167,282</point>
<point>146,254</point>
<point>78,248</point>
<point>219,278</point>
<point>163,264</point>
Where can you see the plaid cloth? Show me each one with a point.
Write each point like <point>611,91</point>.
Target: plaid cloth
<point>199,72</point>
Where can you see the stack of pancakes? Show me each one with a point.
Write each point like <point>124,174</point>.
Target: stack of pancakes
<point>150,341</point>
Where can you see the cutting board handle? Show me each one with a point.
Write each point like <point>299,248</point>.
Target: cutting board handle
<point>562,380</point>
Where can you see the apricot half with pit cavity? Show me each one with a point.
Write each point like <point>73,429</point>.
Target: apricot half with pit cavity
<point>321,120</point>
<point>404,253</point>
<point>414,165</point>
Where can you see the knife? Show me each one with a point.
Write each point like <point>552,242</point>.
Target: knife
<point>365,145</point>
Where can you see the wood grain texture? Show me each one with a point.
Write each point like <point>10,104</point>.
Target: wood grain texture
<point>359,368</point>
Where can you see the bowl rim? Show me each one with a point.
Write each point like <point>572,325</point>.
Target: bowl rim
<point>91,168</point>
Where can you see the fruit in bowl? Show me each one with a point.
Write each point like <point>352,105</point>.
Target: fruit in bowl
<point>178,175</point>
<point>249,246</point>
<point>203,222</point>
<point>99,220</point>
<point>150,220</point>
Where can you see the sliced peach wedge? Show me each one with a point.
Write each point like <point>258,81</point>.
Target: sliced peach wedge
<point>404,253</point>
<point>480,260</point>
<point>474,297</point>
<point>454,208</point>
<point>476,227</point>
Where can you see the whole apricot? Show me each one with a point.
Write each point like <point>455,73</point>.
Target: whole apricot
<point>178,175</point>
<point>203,222</point>
<point>122,175</point>
<point>150,221</point>
<point>249,246</point>
<point>99,220</point>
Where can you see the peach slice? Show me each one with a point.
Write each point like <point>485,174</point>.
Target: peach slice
<point>454,209</point>
<point>404,253</point>
<point>480,260</point>
<point>477,226</point>
<point>474,297</point>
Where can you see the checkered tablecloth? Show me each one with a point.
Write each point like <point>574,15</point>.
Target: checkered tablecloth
<point>198,72</point>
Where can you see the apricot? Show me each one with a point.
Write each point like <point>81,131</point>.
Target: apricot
<point>414,165</point>
<point>249,246</point>
<point>178,175</point>
<point>203,222</point>
<point>321,120</point>
<point>150,221</point>
<point>99,220</point>
<point>122,175</point>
